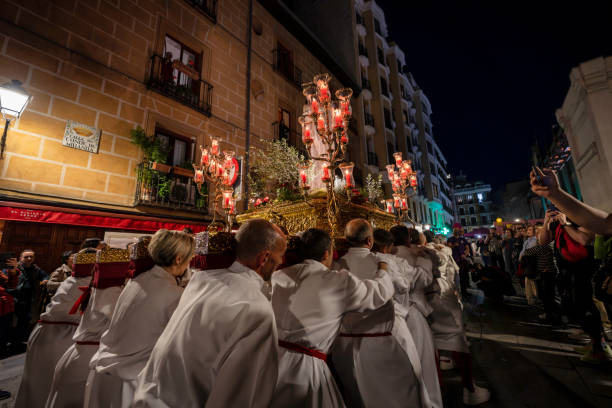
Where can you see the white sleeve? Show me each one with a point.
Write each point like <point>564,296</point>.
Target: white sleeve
<point>247,373</point>
<point>367,294</point>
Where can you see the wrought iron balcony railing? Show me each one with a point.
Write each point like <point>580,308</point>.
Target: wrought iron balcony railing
<point>180,82</point>
<point>168,190</point>
<point>286,68</point>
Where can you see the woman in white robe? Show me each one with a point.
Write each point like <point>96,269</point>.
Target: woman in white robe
<point>70,376</point>
<point>309,301</point>
<point>141,315</point>
<point>51,337</point>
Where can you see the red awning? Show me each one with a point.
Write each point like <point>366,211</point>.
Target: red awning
<point>93,219</point>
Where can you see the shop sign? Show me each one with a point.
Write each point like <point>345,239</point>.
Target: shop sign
<point>82,137</point>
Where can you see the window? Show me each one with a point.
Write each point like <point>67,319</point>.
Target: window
<point>179,148</point>
<point>284,125</point>
<point>179,60</point>
<point>459,199</point>
<point>461,211</point>
<point>484,219</point>
<point>473,221</point>
<point>283,63</point>
<point>390,151</point>
<point>481,208</point>
<point>381,56</point>
<point>480,197</point>
<point>463,222</point>
<point>471,210</point>
<point>405,115</point>
<point>429,148</point>
<point>399,66</point>
<point>388,119</point>
<point>383,86</point>
<point>377,26</point>
<point>436,193</point>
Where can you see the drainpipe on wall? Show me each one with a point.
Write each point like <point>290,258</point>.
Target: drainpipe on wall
<point>247,126</point>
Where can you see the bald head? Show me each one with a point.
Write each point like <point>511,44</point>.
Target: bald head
<point>256,236</point>
<point>358,233</point>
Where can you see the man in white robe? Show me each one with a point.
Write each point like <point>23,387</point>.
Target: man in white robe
<point>374,355</point>
<point>220,347</point>
<point>141,315</point>
<point>51,337</point>
<point>70,376</point>
<point>309,301</point>
<point>447,323</point>
<point>407,247</point>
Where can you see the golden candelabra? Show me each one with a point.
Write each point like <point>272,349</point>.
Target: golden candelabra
<point>403,179</point>
<point>216,167</point>
<point>326,120</point>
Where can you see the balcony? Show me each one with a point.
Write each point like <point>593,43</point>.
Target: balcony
<point>362,50</point>
<point>372,159</point>
<point>181,83</point>
<point>206,7</point>
<point>365,83</point>
<point>285,67</point>
<point>168,190</point>
<point>369,119</point>
<point>359,19</point>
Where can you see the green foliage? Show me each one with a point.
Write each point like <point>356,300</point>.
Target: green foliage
<point>163,186</point>
<point>152,148</point>
<point>373,188</point>
<point>274,171</point>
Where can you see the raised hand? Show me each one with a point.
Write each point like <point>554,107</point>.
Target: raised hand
<point>544,182</point>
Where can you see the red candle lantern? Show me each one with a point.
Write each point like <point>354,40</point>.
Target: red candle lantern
<point>413,180</point>
<point>398,159</point>
<point>258,202</point>
<point>227,196</point>
<point>232,206</point>
<point>214,146</point>
<point>322,83</point>
<point>390,172</point>
<point>406,166</point>
<point>344,138</point>
<point>204,159</point>
<point>404,203</point>
<point>337,119</point>
<point>310,92</point>
<point>304,175</point>
<point>325,177</point>
<point>397,201</point>
<point>389,203</point>
<point>199,176</point>
<point>347,173</point>
<point>321,123</point>
<point>306,123</point>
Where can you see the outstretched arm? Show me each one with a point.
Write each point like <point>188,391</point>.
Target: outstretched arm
<point>591,218</point>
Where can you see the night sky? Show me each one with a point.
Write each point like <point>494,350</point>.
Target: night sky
<point>494,75</point>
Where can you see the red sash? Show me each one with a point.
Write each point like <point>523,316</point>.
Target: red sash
<point>383,334</point>
<point>301,349</point>
<point>59,322</point>
<point>86,292</point>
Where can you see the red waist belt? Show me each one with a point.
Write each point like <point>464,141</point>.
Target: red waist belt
<point>383,334</point>
<point>301,349</point>
<point>59,322</point>
<point>87,343</point>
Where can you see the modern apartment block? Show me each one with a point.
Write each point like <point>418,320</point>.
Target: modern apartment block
<point>473,204</point>
<point>396,116</point>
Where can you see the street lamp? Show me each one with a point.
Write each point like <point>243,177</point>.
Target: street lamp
<point>13,101</point>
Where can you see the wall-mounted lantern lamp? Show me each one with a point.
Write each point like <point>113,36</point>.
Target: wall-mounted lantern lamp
<point>13,101</point>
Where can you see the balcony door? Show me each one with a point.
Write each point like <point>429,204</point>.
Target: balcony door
<point>285,61</point>
<point>178,52</point>
<point>178,147</point>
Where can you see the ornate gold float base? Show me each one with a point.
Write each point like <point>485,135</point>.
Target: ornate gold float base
<point>301,215</point>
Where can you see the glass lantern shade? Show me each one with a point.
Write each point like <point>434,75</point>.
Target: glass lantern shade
<point>310,92</point>
<point>398,159</point>
<point>389,205</point>
<point>413,181</point>
<point>214,146</point>
<point>229,155</point>
<point>397,201</point>
<point>406,166</point>
<point>232,206</point>
<point>390,172</point>
<point>347,174</point>
<point>404,203</point>
<point>198,176</point>
<point>322,83</point>
<point>227,196</point>
<point>307,130</point>
<point>325,172</point>
<point>13,99</point>
<point>205,156</point>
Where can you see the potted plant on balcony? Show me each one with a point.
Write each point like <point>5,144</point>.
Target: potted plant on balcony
<point>151,171</point>
<point>185,169</point>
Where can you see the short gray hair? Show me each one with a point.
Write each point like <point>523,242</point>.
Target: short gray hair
<point>255,236</point>
<point>357,232</point>
<point>166,245</point>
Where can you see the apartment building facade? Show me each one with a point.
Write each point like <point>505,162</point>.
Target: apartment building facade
<point>473,204</point>
<point>177,69</point>
<point>396,117</point>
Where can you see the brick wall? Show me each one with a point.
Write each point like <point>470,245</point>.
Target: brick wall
<point>87,60</point>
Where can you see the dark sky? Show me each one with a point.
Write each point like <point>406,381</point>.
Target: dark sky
<point>495,72</point>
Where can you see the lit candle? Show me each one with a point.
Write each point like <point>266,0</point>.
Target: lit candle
<point>324,90</point>
<point>199,176</point>
<point>302,178</point>
<point>314,106</point>
<point>321,122</point>
<point>344,138</point>
<point>346,108</point>
<point>403,173</point>
<point>397,201</point>
<point>214,148</point>
<point>232,206</point>
<point>398,159</point>
<point>406,164</point>
<point>307,138</point>
<point>389,206</point>
<point>258,202</point>
<point>325,176</point>
<point>390,172</point>
<point>404,204</point>
<point>227,196</point>
<point>212,168</point>
<point>204,159</point>
<point>220,170</point>
<point>413,181</point>
<point>348,178</point>
<point>266,199</point>
<point>337,118</point>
